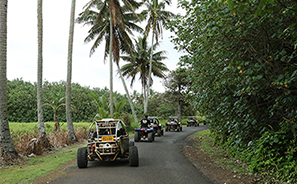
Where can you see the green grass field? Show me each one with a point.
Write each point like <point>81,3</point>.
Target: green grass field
<point>49,126</point>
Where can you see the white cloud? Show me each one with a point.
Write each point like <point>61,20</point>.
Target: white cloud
<point>22,47</point>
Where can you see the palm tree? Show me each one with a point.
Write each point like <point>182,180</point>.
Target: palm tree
<point>137,97</point>
<point>157,17</point>
<point>41,127</point>
<point>56,103</point>
<point>139,64</point>
<point>102,106</point>
<point>113,23</point>
<point>7,147</point>
<point>70,127</point>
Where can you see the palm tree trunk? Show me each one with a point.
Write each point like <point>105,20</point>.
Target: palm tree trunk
<point>144,96</point>
<point>150,71</point>
<point>41,127</point>
<point>56,120</point>
<point>71,133</point>
<point>7,147</point>
<point>110,66</point>
<point>128,95</point>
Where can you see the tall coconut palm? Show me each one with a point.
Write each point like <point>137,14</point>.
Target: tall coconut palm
<point>157,17</point>
<point>7,147</point>
<point>113,24</point>
<point>139,63</point>
<point>70,127</point>
<point>41,127</point>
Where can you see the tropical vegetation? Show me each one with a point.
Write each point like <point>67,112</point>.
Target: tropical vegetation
<point>242,61</point>
<point>86,102</point>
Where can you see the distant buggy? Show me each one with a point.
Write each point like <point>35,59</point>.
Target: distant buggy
<point>192,121</point>
<point>144,134</point>
<point>107,141</point>
<point>156,125</point>
<point>173,124</point>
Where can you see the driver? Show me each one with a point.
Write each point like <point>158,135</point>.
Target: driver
<point>144,123</point>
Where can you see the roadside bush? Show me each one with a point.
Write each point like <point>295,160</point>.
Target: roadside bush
<point>242,57</point>
<point>127,119</point>
<point>273,154</point>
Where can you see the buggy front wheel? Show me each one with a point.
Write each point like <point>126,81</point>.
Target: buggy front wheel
<point>133,156</point>
<point>136,137</point>
<point>82,161</point>
<point>150,137</point>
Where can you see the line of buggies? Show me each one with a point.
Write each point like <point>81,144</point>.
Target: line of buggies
<point>109,141</point>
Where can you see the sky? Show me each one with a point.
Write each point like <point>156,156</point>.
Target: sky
<point>87,71</point>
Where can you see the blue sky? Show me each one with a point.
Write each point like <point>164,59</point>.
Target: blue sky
<point>92,72</point>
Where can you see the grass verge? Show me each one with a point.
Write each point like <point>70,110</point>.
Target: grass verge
<point>220,156</point>
<point>39,166</point>
<point>217,164</point>
<point>236,170</point>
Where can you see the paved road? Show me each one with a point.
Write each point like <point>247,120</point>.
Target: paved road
<point>160,162</point>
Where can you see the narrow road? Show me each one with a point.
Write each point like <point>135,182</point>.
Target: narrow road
<point>160,162</point>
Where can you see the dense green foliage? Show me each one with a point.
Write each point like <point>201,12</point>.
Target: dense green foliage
<point>242,58</point>
<point>164,105</point>
<point>22,103</point>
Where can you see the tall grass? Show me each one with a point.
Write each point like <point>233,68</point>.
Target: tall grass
<point>23,133</point>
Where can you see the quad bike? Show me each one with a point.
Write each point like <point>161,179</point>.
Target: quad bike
<point>192,121</point>
<point>173,124</point>
<point>158,129</point>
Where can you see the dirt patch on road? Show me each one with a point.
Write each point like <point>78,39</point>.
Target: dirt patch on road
<point>215,170</point>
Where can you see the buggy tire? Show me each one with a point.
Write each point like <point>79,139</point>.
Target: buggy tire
<point>150,136</point>
<point>82,161</point>
<point>133,156</point>
<point>131,143</point>
<point>159,132</point>
<point>136,137</point>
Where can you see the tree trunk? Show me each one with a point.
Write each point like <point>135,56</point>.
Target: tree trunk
<point>179,103</point>
<point>145,97</point>
<point>41,127</point>
<point>179,109</point>
<point>71,133</point>
<point>110,66</point>
<point>150,71</point>
<point>128,95</point>
<point>56,120</point>
<point>7,148</point>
